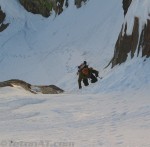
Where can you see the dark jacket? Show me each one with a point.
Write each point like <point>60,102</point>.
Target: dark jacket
<point>92,72</point>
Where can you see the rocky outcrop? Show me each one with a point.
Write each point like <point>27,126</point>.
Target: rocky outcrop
<point>138,42</point>
<point>125,5</point>
<point>129,44</point>
<point>3,26</point>
<point>45,89</point>
<point>78,3</point>
<point>44,7</point>
<point>126,44</point>
<point>144,44</point>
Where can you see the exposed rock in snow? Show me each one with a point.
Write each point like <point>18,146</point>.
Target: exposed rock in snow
<point>78,3</point>
<point>126,44</point>
<point>144,44</point>
<point>45,89</point>
<point>37,6</point>
<point>3,26</point>
<point>134,37</point>
<point>126,4</point>
<point>46,7</point>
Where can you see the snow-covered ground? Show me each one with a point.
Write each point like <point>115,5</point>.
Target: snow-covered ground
<point>114,112</point>
<point>114,119</point>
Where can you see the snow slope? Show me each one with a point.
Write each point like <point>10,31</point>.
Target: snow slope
<point>114,112</point>
<point>113,119</point>
<point>51,49</point>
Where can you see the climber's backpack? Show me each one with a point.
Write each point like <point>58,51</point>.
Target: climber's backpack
<point>85,71</point>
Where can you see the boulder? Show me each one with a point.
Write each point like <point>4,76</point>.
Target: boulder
<point>44,89</point>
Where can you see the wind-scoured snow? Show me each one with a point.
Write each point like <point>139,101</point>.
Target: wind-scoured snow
<point>114,112</point>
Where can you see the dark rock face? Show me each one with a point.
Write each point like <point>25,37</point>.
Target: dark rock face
<point>2,18</point>
<point>129,44</point>
<point>45,89</point>
<point>58,6</point>
<point>144,43</point>
<point>44,7</point>
<point>125,5</point>
<point>125,44</point>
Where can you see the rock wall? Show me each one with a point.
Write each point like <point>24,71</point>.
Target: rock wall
<point>144,44</point>
<point>126,44</point>
<point>3,26</point>
<point>125,5</point>
<point>45,7</point>
<point>129,44</point>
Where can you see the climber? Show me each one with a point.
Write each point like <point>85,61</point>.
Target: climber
<point>85,73</point>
